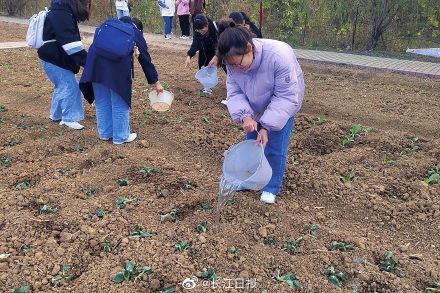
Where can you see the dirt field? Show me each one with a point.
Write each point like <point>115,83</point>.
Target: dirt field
<point>385,208</point>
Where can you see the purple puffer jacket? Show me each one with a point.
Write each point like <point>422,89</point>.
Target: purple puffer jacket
<point>271,91</point>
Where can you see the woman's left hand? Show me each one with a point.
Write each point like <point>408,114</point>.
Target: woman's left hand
<point>158,87</point>
<point>262,137</point>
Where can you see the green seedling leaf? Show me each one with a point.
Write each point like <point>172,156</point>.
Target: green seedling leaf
<point>434,288</point>
<point>165,86</point>
<point>23,185</point>
<point>292,246</point>
<point>22,289</point>
<point>62,275</point>
<point>204,206</point>
<point>168,290</point>
<point>319,120</point>
<point>355,132</point>
<point>188,185</point>
<point>209,275</point>
<point>148,171</point>
<point>3,109</point>
<point>234,252</point>
<point>386,160</point>
<point>118,278</point>
<point>202,227</point>
<point>341,246</point>
<point>391,265</point>
<point>270,240</point>
<point>433,175</point>
<point>47,209</point>
<point>144,271</point>
<point>64,171</point>
<point>334,277</point>
<point>89,191</point>
<point>312,230</point>
<point>231,201</point>
<point>289,279</point>
<point>100,213</point>
<point>11,142</point>
<point>348,177</point>
<point>139,233</point>
<point>171,216</point>
<point>205,119</point>
<point>24,248</point>
<point>122,202</point>
<point>106,247</point>
<point>182,246</point>
<point>5,161</point>
<point>122,182</point>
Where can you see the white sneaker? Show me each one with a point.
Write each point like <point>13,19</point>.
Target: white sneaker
<point>268,197</point>
<point>73,125</point>
<point>224,102</point>
<point>131,137</point>
<point>207,91</point>
<point>168,37</point>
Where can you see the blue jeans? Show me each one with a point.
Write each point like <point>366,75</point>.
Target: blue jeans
<point>66,102</point>
<point>276,153</point>
<point>112,114</point>
<point>167,25</point>
<point>120,13</point>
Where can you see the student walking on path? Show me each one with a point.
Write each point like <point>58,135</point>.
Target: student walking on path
<point>167,9</point>
<point>108,82</point>
<point>61,57</point>
<point>183,14</point>
<point>122,8</point>
<point>265,86</point>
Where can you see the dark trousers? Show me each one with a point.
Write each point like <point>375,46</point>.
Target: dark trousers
<point>184,24</point>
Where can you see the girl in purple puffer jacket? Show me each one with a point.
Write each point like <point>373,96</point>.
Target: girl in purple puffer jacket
<point>265,86</point>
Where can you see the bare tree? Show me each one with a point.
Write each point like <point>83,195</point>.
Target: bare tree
<point>13,7</point>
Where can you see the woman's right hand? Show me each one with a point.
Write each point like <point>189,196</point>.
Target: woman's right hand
<point>158,87</point>
<point>188,62</point>
<point>249,124</point>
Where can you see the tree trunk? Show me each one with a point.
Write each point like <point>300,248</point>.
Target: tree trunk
<point>355,22</point>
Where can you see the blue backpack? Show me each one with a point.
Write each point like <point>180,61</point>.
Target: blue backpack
<point>114,39</point>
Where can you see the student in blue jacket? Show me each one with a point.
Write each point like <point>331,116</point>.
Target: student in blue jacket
<point>61,57</point>
<point>108,82</point>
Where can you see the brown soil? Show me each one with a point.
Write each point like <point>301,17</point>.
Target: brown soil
<point>385,208</point>
<point>11,32</point>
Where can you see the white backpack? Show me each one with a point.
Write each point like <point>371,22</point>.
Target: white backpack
<point>34,37</point>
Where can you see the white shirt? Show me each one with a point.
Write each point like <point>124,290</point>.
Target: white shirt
<point>122,5</point>
<point>171,8</point>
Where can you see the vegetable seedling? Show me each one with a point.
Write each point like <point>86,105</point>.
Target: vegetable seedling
<point>319,120</point>
<point>205,119</point>
<point>181,246</point>
<point>47,209</point>
<point>165,86</point>
<point>23,185</point>
<point>270,240</point>
<point>139,233</point>
<point>11,142</point>
<point>120,156</point>
<point>204,206</point>
<point>433,175</point>
<point>434,288</point>
<point>3,109</point>
<point>292,246</point>
<point>312,230</point>
<point>64,171</point>
<point>202,227</point>
<point>24,248</point>
<point>386,160</point>
<point>391,265</point>
<point>348,177</point>
<point>341,246</point>
<point>122,182</point>
<point>355,132</point>
<point>188,185</point>
<point>22,289</point>
<point>171,216</point>
<point>100,213</point>
<point>62,275</point>
<point>414,147</point>
<point>231,201</point>
<point>234,252</point>
<point>209,275</point>
<point>168,290</point>
<point>148,171</point>
<point>334,277</point>
<point>5,161</point>
<point>288,279</point>
<point>130,273</point>
<point>106,247</point>
<point>89,191</point>
<point>122,202</point>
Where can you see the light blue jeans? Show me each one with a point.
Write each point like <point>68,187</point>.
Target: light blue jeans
<point>167,25</point>
<point>120,13</point>
<point>112,114</point>
<point>276,153</point>
<point>66,103</point>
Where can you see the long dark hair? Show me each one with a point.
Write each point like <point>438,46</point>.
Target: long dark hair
<point>80,8</point>
<point>233,40</point>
